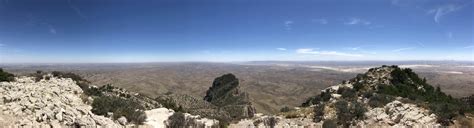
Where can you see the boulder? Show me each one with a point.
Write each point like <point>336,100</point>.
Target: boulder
<point>122,120</point>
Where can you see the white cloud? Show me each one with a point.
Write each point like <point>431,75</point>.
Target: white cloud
<point>288,24</point>
<point>354,48</point>
<point>357,21</point>
<point>320,21</point>
<point>330,53</point>
<point>281,49</point>
<point>471,46</point>
<point>403,49</point>
<point>439,12</point>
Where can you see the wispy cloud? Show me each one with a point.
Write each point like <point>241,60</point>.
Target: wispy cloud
<point>450,35</point>
<point>330,53</point>
<point>320,21</point>
<point>357,21</point>
<point>470,46</point>
<point>360,49</point>
<point>1,45</point>
<point>288,24</point>
<point>403,49</point>
<point>281,49</point>
<point>421,44</point>
<point>354,48</point>
<point>52,30</point>
<point>441,11</point>
<point>76,9</point>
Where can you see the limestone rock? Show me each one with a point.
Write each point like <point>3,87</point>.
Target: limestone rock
<point>50,103</point>
<point>225,94</point>
<point>122,120</point>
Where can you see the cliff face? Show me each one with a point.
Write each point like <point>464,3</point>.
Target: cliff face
<point>225,94</point>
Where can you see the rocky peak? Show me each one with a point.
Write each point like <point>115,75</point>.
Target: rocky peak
<point>375,97</point>
<point>225,91</point>
<point>225,94</point>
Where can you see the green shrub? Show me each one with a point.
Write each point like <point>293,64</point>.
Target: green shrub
<point>120,107</point>
<point>347,93</point>
<point>71,75</point>
<point>5,76</point>
<point>343,113</point>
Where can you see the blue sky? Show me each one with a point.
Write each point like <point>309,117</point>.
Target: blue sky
<point>70,31</point>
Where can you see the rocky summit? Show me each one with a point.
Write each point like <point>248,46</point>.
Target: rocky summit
<point>226,94</point>
<point>56,102</point>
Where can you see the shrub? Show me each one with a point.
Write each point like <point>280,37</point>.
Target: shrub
<point>347,92</point>
<point>318,113</point>
<point>285,109</point>
<point>71,75</point>
<point>379,100</point>
<point>343,113</point>
<point>120,107</point>
<point>271,122</point>
<point>347,113</point>
<point>358,86</point>
<point>329,124</point>
<point>5,76</point>
<point>170,104</point>
<point>358,110</point>
<point>177,120</point>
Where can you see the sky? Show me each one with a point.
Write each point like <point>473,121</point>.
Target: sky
<point>102,31</point>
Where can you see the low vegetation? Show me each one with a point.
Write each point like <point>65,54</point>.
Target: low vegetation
<point>348,112</point>
<point>407,84</point>
<point>5,76</point>
<point>103,104</point>
<point>120,107</point>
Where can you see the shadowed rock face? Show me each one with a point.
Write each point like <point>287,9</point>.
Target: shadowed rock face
<point>225,94</point>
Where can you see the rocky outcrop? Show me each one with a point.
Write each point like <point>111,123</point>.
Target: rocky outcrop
<point>159,118</point>
<point>56,102</point>
<point>383,96</point>
<point>397,113</point>
<point>225,94</point>
<point>263,121</point>
<point>192,105</point>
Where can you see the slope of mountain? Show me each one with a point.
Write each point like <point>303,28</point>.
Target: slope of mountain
<point>387,95</point>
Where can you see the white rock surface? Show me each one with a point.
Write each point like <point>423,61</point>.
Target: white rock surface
<point>397,113</point>
<point>281,122</point>
<point>54,102</point>
<point>158,118</point>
